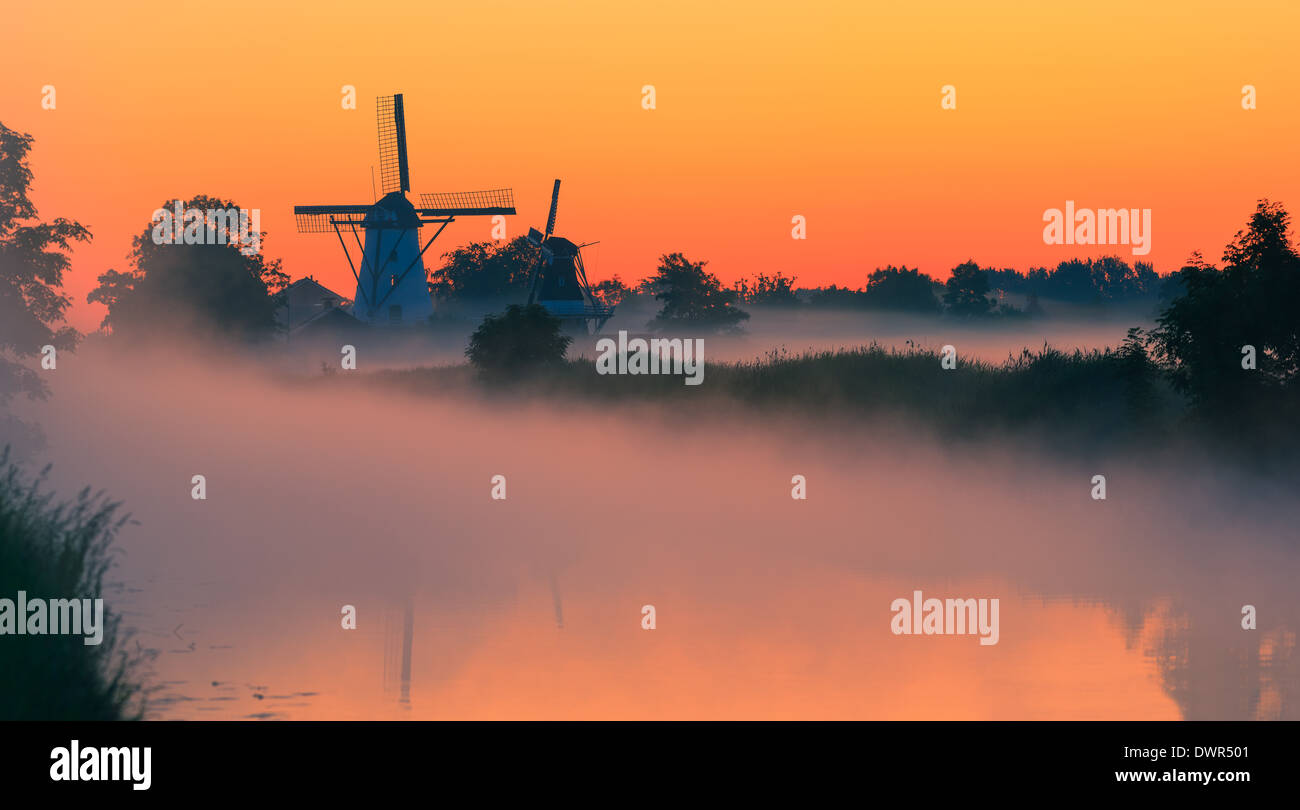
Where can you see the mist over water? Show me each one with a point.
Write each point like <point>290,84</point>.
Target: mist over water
<point>803,329</point>
<point>792,330</point>
<point>322,495</point>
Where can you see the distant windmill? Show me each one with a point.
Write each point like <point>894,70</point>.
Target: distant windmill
<point>559,280</point>
<point>392,286</point>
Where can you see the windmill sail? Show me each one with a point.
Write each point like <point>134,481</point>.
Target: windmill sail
<point>467,203</point>
<point>555,204</point>
<point>323,218</point>
<point>394,174</point>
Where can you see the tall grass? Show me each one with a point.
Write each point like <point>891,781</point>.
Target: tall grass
<point>1081,401</point>
<point>60,550</point>
<point>1049,387</point>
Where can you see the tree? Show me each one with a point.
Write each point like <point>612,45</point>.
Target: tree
<point>837,297</point>
<point>33,259</point>
<point>1072,281</point>
<point>520,340</point>
<point>217,286</point>
<point>612,291</point>
<point>774,290</point>
<point>485,270</point>
<point>1202,334</point>
<point>1008,280</point>
<point>901,288</point>
<point>1139,373</point>
<point>967,291</point>
<point>1146,280</point>
<point>691,297</point>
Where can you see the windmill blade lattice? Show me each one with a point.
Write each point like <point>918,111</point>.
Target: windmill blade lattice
<point>394,173</point>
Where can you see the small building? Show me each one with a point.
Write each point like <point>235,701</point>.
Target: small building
<point>307,306</point>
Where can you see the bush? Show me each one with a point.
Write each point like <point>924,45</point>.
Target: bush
<point>521,339</point>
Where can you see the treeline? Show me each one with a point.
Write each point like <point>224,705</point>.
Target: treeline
<point>1088,281</point>
<point>484,271</point>
<point>970,291</point>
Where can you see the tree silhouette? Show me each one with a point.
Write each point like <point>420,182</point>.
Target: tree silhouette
<point>966,292</point>
<point>197,288</point>
<point>33,259</point>
<point>774,290</point>
<point>1252,301</point>
<point>902,289</point>
<point>693,298</point>
<point>485,270</point>
<point>520,340</point>
<point>612,291</point>
<point>837,297</point>
<point>1085,281</point>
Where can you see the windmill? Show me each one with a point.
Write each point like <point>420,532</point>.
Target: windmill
<point>559,280</point>
<point>392,286</point>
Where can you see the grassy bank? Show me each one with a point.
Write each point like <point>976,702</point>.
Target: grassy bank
<point>54,550</point>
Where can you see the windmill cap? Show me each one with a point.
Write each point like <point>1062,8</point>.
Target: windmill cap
<point>394,209</point>
<point>561,246</point>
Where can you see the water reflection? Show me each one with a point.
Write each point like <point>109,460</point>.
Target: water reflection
<point>819,651</point>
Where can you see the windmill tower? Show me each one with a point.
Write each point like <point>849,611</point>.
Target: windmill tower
<point>559,280</point>
<point>392,285</point>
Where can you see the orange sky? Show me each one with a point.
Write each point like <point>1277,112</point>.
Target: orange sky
<point>830,110</point>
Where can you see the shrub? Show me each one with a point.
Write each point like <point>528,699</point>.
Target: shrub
<point>521,339</point>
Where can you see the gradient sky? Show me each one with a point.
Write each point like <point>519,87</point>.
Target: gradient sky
<point>830,110</point>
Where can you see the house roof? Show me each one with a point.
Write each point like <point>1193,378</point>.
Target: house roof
<point>304,301</point>
<point>335,320</point>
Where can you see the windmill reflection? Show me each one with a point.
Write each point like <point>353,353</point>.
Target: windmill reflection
<point>559,605</point>
<point>398,638</point>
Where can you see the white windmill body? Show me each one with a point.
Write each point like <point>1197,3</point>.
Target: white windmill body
<point>392,284</point>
